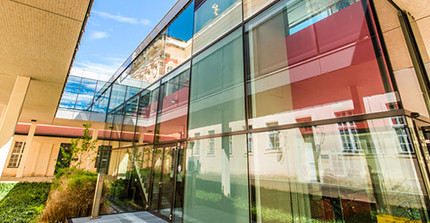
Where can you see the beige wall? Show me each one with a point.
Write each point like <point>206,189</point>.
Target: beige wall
<point>43,157</point>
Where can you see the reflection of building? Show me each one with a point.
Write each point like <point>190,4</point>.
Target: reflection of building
<point>276,111</point>
<point>324,132</point>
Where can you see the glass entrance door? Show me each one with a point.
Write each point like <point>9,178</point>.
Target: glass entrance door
<point>163,178</point>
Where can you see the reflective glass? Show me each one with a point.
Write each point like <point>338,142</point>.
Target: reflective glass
<point>250,7</point>
<point>101,102</point>
<point>172,118</point>
<point>129,124</point>
<point>313,60</point>
<point>152,69</point>
<point>86,93</point>
<point>364,171</point>
<point>216,183</point>
<point>217,89</point>
<point>179,39</point>
<point>147,114</point>
<point>118,117</point>
<point>137,68</point>
<point>118,95</point>
<point>214,18</point>
<point>68,100</point>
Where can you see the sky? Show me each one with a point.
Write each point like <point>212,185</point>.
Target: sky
<point>114,30</point>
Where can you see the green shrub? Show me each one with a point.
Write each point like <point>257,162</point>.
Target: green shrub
<point>22,202</point>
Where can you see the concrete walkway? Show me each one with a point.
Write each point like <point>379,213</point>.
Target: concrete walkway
<point>142,216</point>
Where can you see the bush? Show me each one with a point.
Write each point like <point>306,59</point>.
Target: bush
<point>22,202</point>
<point>71,195</point>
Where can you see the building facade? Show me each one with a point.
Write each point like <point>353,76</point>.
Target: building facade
<point>275,111</point>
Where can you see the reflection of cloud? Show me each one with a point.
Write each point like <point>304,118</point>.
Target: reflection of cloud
<point>123,19</point>
<point>108,68</point>
<point>99,35</point>
<point>114,59</point>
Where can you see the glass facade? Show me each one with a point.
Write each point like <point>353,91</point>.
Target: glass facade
<point>271,111</point>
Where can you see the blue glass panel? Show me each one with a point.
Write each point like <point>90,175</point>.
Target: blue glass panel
<point>70,93</point>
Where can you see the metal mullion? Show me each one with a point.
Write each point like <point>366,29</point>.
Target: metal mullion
<point>376,46</point>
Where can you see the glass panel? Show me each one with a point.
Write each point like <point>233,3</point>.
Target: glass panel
<point>154,58</point>
<point>156,178</point>
<point>360,171</point>
<point>137,68</point>
<point>179,39</point>
<point>101,103</point>
<point>130,119</point>
<point>144,169</point>
<point>313,60</point>
<point>147,114</point>
<point>117,96</point>
<point>167,182</point>
<point>216,185</point>
<point>250,7</point>
<point>70,93</point>
<point>178,208</point>
<point>118,117</point>
<point>217,89</point>
<point>105,134</point>
<point>86,93</point>
<point>214,18</point>
<point>172,120</point>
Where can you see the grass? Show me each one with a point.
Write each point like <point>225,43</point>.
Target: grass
<point>22,202</point>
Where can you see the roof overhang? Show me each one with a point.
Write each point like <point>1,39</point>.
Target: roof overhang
<point>39,39</point>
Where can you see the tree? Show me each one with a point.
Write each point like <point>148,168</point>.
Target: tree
<point>80,148</point>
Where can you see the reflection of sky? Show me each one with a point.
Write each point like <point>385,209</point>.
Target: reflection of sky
<point>309,22</point>
<point>182,27</point>
<point>205,13</point>
<point>79,91</point>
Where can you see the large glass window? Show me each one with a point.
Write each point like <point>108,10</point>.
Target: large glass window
<point>68,100</point>
<point>217,89</point>
<point>118,118</point>
<point>216,186</point>
<point>154,58</point>
<point>86,93</point>
<point>147,114</point>
<point>312,178</point>
<point>214,18</point>
<point>179,39</point>
<point>250,7</point>
<point>130,119</point>
<point>172,118</point>
<point>313,59</point>
<point>99,106</point>
<point>118,95</point>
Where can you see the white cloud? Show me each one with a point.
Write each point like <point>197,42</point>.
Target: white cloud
<point>98,35</point>
<point>145,22</point>
<point>109,68</point>
<point>123,19</point>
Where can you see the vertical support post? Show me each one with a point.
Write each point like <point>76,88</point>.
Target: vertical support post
<point>27,149</point>
<point>97,196</point>
<point>10,117</point>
